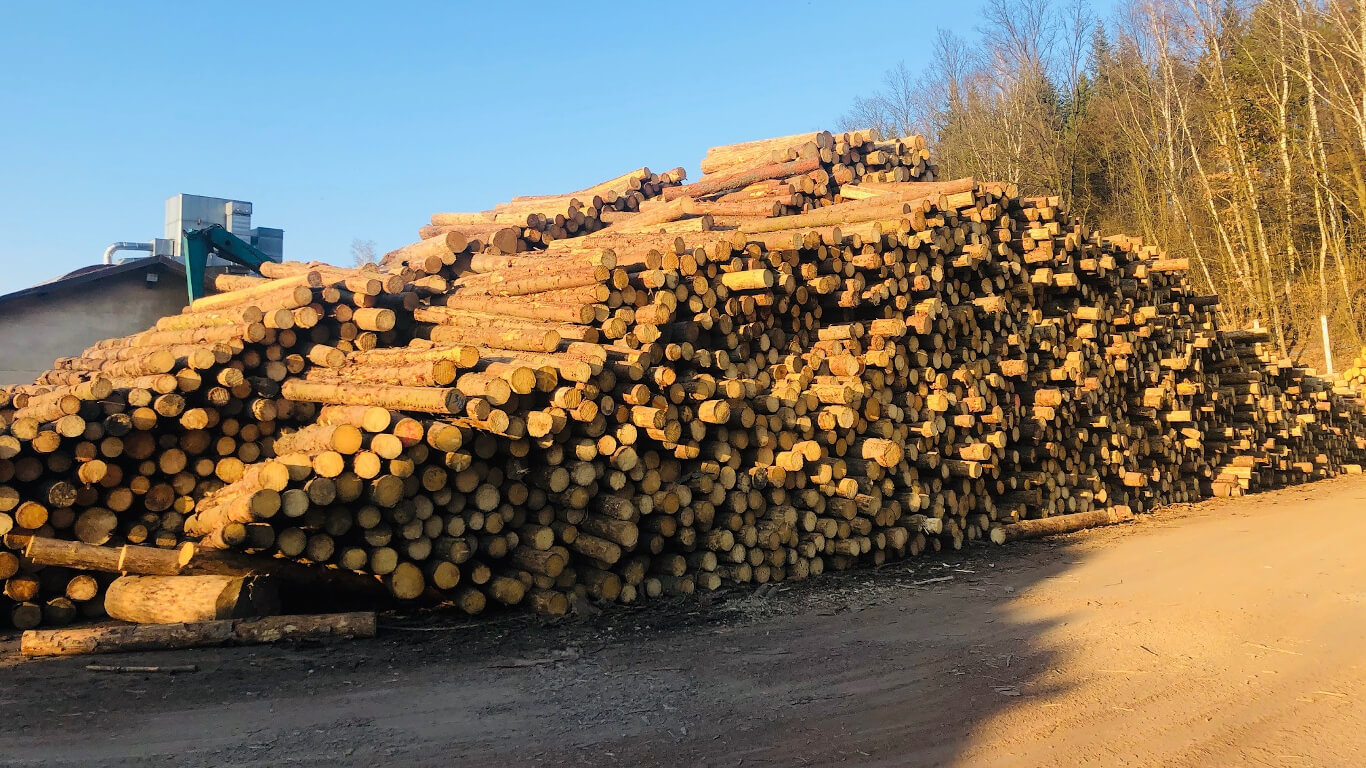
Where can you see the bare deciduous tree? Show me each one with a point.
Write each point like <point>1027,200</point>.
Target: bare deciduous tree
<point>894,110</point>
<point>363,252</point>
<point>1232,133</point>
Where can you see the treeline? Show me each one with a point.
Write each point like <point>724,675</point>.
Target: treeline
<point>1231,133</point>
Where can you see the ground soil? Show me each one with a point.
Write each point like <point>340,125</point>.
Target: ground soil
<point>1225,633</point>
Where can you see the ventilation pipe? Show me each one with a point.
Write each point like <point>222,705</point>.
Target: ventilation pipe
<point>109,252</point>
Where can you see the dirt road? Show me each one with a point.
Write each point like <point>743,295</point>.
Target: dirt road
<point>1229,633</point>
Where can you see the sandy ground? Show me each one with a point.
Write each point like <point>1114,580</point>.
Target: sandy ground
<point>1228,633</point>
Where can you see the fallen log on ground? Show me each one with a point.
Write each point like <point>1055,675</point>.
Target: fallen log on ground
<point>1058,524</point>
<point>119,638</point>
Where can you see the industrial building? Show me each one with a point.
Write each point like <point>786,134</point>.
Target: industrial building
<point>63,316</point>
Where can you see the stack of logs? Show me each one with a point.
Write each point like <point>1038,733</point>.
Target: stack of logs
<point>1288,425</point>
<point>535,222</point>
<point>816,356</point>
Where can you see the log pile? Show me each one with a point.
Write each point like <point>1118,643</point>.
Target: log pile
<point>1289,426</point>
<point>119,444</point>
<point>1353,380</point>
<point>534,222</point>
<point>814,357</point>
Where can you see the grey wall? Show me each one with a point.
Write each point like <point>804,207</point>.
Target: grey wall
<point>36,330</point>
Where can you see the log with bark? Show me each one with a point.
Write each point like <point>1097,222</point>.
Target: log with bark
<point>184,599</point>
<point>122,638</point>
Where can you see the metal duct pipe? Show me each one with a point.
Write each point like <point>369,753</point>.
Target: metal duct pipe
<point>109,252</point>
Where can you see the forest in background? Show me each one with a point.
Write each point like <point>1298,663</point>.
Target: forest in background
<point>1232,133</point>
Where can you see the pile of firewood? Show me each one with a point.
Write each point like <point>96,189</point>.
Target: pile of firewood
<point>813,357</point>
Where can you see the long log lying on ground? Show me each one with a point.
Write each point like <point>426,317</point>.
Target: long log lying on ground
<point>122,638</point>
<point>1058,524</point>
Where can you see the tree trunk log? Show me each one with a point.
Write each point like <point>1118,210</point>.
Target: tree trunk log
<point>162,637</point>
<point>1049,526</point>
<point>179,599</point>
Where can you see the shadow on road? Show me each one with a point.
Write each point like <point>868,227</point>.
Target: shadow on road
<point>893,667</point>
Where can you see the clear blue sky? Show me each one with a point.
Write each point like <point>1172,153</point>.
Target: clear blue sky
<point>352,120</point>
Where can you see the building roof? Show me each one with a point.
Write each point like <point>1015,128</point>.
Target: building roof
<point>95,273</point>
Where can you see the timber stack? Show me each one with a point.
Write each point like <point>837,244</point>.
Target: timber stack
<point>533,223</point>
<point>1289,426</point>
<point>816,356</point>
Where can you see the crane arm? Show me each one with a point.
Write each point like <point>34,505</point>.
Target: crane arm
<point>197,244</point>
